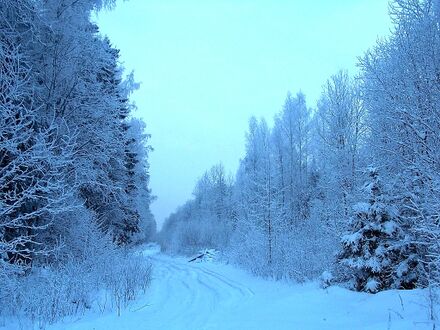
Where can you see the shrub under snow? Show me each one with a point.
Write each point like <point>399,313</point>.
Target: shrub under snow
<point>94,275</point>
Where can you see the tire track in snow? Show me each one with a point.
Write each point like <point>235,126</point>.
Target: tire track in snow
<point>244,290</point>
<point>193,292</point>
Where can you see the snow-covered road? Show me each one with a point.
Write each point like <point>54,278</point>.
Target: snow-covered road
<point>208,296</point>
<point>192,293</point>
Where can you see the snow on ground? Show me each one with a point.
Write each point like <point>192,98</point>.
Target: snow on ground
<point>211,295</point>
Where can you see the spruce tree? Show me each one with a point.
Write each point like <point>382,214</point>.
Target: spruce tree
<point>376,249</point>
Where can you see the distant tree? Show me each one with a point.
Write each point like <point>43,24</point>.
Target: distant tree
<point>207,220</point>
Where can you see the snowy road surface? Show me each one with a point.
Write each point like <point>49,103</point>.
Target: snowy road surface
<point>210,296</point>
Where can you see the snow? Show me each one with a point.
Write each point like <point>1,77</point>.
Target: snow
<point>213,295</point>
<point>326,279</point>
<point>372,285</point>
<point>352,239</point>
<point>390,227</point>
<point>361,207</point>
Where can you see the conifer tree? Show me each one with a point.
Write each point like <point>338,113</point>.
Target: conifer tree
<point>376,249</point>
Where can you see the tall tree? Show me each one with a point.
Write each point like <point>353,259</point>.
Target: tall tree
<point>293,127</point>
<point>34,158</point>
<point>402,95</point>
<point>341,126</point>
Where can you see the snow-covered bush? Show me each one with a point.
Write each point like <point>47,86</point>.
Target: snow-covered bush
<point>47,294</point>
<point>247,249</point>
<point>308,251</point>
<point>125,278</point>
<point>326,279</point>
<point>94,275</point>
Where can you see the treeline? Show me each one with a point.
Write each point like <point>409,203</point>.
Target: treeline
<point>73,162</point>
<point>351,186</point>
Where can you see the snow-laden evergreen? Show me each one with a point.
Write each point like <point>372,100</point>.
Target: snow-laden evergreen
<point>378,249</point>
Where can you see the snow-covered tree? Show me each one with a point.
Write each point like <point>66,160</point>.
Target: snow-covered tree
<point>138,178</point>
<point>34,159</point>
<point>293,131</point>
<point>65,133</point>
<point>402,95</point>
<point>256,205</point>
<point>376,250</point>
<point>73,162</point>
<point>340,126</point>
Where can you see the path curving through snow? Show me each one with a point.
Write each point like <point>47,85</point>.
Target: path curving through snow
<point>214,296</point>
<point>191,293</point>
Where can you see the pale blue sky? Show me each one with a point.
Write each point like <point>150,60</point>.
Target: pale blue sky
<point>206,66</point>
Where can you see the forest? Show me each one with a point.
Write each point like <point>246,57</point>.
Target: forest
<point>349,187</point>
<point>74,177</point>
<point>345,192</point>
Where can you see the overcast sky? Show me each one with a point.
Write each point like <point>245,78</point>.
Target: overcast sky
<point>206,66</point>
